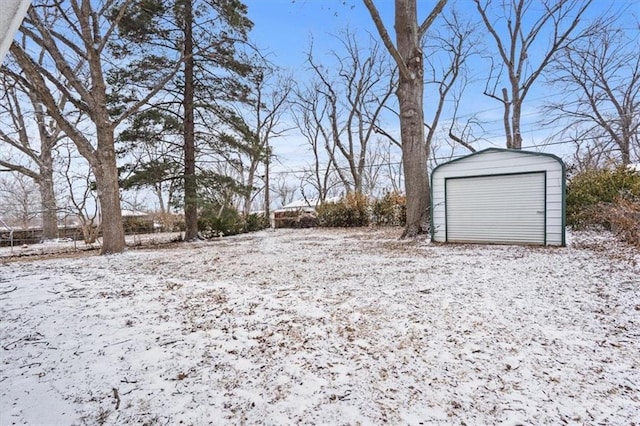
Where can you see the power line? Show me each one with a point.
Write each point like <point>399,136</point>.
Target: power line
<point>450,157</point>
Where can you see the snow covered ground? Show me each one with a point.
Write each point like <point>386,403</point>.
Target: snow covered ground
<point>321,326</point>
<point>67,245</point>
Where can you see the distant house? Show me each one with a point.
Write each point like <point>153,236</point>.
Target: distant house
<point>307,205</point>
<point>126,213</point>
<point>136,221</point>
<point>499,196</point>
<point>297,214</point>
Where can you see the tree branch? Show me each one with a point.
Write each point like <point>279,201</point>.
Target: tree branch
<point>20,169</point>
<point>432,17</point>
<point>384,35</point>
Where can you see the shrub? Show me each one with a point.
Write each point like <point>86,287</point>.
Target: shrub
<point>390,210</point>
<point>589,192</point>
<point>353,210</point>
<point>256,222</point>
<point>137,225</point>
<point>624,217</point>
<point>216,222</point>
<point>298,218</point>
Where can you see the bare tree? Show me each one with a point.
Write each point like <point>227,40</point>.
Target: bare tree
<point>590,152</point>
<point>18,108</point>
<point>20,201</point>
<point>81,200</point>
<point>284,189</point>
<point>309,112</point>
<point>448,50</point>
<point>408,55</point>
<point>355,100</point>
<point>261,123</point>
<point>93,69</point>
<point>536,30</point>
<point>601,73</point>
<point>346,105</point>
<point>382,172</point>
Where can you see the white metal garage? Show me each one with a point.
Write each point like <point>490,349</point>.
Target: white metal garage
<point>499,196</point>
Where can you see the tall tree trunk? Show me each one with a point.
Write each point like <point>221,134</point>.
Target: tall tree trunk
<point>625,135</point>
<point>414,155</point>
<point>104,164</point>
<point>190,184</point>
<point>47,195</point>
<point>410,99</point>
<point>624,153</point>
<point>246,208</point>
<point>267,191</point>
<point>505,118</point>
<point>408,56</point>
<point>158,191</point>
<point>515,122</point>
<point>106,173</point>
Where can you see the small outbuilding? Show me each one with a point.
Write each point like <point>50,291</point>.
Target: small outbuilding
<point>499,196</point>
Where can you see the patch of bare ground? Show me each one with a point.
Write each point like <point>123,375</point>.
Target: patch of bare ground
<point>63,254</point>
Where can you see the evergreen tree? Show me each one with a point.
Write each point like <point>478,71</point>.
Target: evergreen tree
<point>210,35</point>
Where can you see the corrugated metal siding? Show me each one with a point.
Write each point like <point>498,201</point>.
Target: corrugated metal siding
<point>496,161</point>
<point>496,209</point>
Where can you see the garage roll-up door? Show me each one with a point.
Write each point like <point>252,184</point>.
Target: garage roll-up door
<point>496,209</point>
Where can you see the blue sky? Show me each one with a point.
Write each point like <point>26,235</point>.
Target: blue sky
<point>284,28</point>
